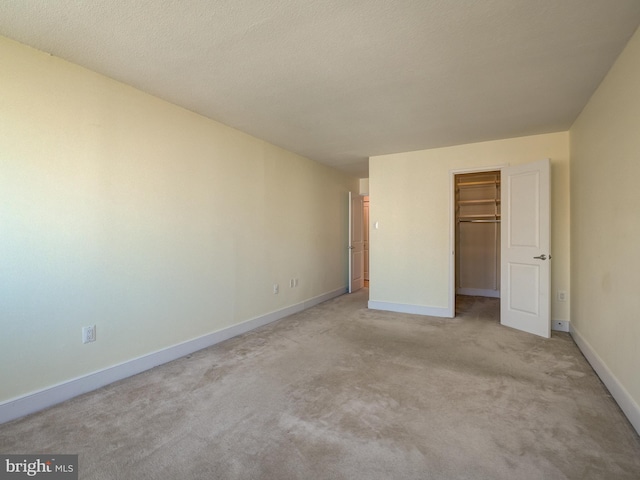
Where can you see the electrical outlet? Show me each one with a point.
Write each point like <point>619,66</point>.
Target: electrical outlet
<point>89,334</point>
<point>562,296</point>
<point>276,288</point>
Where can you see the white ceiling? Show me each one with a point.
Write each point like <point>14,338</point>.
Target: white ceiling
<point>341,80</point>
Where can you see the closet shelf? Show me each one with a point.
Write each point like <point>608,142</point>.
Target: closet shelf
<point>481,215</point>
<point>493,220</point>
<point>479,202</point>
<point>480,182</point>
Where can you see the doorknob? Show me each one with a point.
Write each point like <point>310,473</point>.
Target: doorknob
<point>541,257</point>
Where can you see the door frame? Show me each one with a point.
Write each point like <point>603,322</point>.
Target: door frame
<point>451,309</point>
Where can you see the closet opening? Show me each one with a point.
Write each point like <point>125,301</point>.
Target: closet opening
<point>477,234</point>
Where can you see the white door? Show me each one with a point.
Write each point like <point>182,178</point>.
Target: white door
<point>525,248</point>
<point>356,243</point>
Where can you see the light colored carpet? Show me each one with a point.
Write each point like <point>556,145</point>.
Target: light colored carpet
<point>343,392</point>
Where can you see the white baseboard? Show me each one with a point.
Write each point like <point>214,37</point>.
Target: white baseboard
<point>478,292</point>
<point>560,325</point>
<point>626,402</point>
<point>47,397</point>
<point>407,308</point>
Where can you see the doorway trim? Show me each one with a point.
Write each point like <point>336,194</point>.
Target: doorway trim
<point>451,310</point>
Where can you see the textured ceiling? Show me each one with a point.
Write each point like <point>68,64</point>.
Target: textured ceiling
<point>338,81</point>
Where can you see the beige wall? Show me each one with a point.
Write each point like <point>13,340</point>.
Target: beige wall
<point>410,197</point>
<point>605,224</point>
<point>156,224</point>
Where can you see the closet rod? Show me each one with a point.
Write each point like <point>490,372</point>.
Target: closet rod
<point>479,221</point>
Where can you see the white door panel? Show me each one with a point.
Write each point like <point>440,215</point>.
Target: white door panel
<point>524,299</point>
<point>523,221</point>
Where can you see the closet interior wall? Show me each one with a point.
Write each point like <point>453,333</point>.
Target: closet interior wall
<point>478,234</point>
